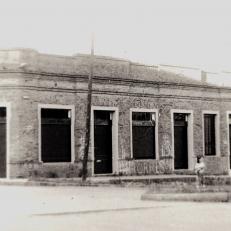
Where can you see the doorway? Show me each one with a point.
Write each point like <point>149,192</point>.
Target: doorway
<point>180,141</point>
<point>229,141</point>
<point>2,142</point>
<point>103,142</point>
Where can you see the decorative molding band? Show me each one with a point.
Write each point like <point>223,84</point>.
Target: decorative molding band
<point>115,80</point>
<point>121,93</point>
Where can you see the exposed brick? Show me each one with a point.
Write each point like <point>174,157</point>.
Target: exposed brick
<point>28,78</point>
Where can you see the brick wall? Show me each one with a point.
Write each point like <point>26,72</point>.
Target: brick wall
<point>58,80</point>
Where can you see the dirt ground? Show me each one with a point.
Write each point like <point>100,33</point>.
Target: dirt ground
<point>103,208</point>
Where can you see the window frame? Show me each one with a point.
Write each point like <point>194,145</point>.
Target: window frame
<point>115,138</point>
<point>190,118</point>
<point>228,114</point>
<point>155,111</point>
<point>7,105</point>
<point>72,112</point>
<point>217,131</point>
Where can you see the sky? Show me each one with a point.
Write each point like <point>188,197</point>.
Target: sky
<point>193,33</point>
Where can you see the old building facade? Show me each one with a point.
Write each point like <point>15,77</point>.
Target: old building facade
<point>144,121</point>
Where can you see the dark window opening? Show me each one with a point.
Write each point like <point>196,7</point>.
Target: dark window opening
<point>55,113</point>
<point>143,135</point>
<point>56,135</point>
<point>180,117</point>
<point>142,116</point>
<point>2,115</point>
<point>209,134</point>
<point>102,117</point>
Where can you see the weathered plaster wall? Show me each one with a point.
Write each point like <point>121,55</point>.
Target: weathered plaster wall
<point>28,79</point>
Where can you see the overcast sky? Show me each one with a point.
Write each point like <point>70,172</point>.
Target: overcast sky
<point>179,32</point>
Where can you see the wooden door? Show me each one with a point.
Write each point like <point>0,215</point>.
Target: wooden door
<point>2,142</point>
<point>102,142</point>
<point>230,146</point>
<point>180,142</point>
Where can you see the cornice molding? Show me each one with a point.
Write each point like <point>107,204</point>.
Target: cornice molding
<point>120,93</point>
<point>114,80</point>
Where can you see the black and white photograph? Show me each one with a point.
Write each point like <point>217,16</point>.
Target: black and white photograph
<point>115,115</point>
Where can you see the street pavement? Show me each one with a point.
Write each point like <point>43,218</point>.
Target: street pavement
<point>25,208</point>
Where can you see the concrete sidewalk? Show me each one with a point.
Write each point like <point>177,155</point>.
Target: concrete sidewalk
<point>100,180</point>
<point>118,180</point>
<point>193,197</point>
<point>160,187</point>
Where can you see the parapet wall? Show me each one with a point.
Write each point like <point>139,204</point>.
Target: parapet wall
<point>31,61</point>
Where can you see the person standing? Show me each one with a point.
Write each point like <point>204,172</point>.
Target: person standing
<point>199,170</point>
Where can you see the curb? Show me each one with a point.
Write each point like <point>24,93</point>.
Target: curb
<point>99,181</point>
<point>140,181</point>
<point>193,197</point>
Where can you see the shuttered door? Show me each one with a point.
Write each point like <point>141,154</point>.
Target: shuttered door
<point>102,142</point>
<point>2,142</point>
<point>180,142</point>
